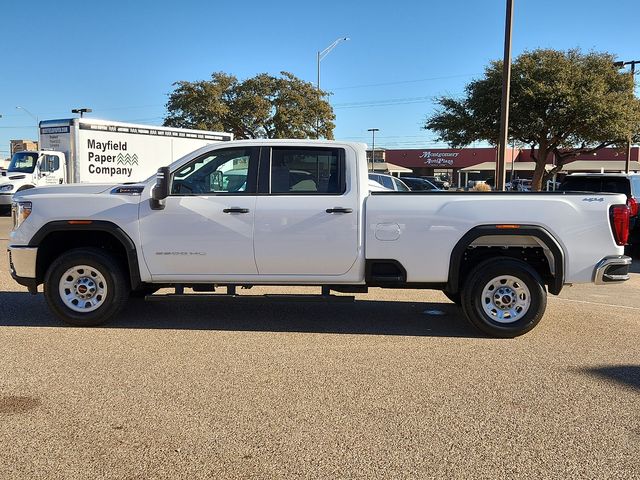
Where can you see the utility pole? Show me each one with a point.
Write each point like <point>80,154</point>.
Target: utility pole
<point>373,144</point>
<point>504,111</point>
<point>627,164</point>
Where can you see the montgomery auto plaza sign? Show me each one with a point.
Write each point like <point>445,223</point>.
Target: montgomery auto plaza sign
<point>445,158</point>
<point>439,159</point>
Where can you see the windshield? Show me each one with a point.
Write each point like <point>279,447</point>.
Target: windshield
<point>23,162</point>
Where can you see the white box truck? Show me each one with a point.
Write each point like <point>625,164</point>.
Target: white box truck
<point>86,150</point>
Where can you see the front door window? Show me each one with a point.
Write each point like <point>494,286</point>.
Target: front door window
<point>221,171</point>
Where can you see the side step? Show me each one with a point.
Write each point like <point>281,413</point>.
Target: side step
<point>196,297</point>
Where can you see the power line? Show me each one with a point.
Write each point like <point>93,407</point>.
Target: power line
<point>129,107</point>
<point>404,82</point>
<point>390,136</point>
<point>390,101</point>
<point>383,103</point>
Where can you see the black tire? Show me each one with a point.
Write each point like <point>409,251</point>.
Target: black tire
<point>454,297</point>
<point>100,263</point>
<point>474,301</point>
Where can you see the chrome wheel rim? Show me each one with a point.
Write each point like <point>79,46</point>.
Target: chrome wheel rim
<point>506,299</point>
<point>83,288</point>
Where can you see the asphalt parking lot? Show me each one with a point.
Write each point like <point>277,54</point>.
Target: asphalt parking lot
<point>396,385</point>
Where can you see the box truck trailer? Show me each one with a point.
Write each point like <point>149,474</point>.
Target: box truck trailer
<point>86,150</point>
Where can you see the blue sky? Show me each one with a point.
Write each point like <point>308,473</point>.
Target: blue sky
<point>121,57</point>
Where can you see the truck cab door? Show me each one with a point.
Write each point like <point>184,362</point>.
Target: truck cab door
<point>205,230</point>
<point>50,170</point>
<point>307,216</point>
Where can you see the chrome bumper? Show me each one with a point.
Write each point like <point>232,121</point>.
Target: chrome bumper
<point>612,270</point>
<point>22,261</point>
<point>5,199</point>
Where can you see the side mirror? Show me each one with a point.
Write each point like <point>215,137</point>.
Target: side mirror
<point>161,189</point>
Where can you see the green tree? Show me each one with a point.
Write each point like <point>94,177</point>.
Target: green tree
<point>565,103</point>
<point>264,106</point>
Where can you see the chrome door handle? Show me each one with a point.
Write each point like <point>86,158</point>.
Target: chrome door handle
<point>339,210</point>
<point>236,210</point>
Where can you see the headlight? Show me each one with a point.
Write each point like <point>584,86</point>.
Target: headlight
<point>6,188</point>
<point>20,211</point>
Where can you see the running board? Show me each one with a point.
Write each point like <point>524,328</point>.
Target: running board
<point>196,297</point>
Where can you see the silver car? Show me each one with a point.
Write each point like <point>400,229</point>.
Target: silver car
<point>390,182</point>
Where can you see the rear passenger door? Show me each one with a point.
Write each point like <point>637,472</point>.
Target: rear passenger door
<point>306,220</point>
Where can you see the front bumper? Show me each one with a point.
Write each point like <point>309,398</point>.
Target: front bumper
<point>22,264</point>
<point>612,270</point>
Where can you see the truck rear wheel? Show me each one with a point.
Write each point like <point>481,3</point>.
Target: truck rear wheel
<point>86,287</point>
<point>504,297</point>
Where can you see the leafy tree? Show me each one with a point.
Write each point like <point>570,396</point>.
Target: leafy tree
<point>565,103</point>
<point>264,106</point>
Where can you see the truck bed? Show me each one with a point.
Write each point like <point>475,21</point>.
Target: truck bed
<point>421,229</point>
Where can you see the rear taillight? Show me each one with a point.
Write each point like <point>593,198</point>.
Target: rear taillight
<point>619,217</point>
<point>632,203</point>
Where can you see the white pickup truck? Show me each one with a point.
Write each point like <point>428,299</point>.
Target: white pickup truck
<point>296,212</point>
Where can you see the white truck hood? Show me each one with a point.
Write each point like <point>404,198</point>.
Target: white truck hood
<point>69,189</point>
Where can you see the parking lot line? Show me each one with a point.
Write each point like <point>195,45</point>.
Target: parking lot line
<point>594,303</point>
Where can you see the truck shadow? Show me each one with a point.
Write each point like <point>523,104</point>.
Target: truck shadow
<point>628,375</point>
<point>364,317</point>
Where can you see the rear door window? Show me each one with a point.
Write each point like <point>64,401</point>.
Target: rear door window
<point>296,170</point>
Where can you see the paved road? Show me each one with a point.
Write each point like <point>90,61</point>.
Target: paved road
<point>383,388</point>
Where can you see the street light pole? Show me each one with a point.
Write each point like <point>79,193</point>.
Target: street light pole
<point>28,113</point>
<point>319,57</point>
<point>327,51</point>
<point>81,111</point>
<point>627,163</point>
<point>373,144</point>
<point>32,116</point>
<point>504,113</point>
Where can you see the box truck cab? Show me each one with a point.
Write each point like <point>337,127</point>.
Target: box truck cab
<point>29,169</point>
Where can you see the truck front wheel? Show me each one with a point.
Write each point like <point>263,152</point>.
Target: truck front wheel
<point>86,287</point>
<point>504,297</point>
